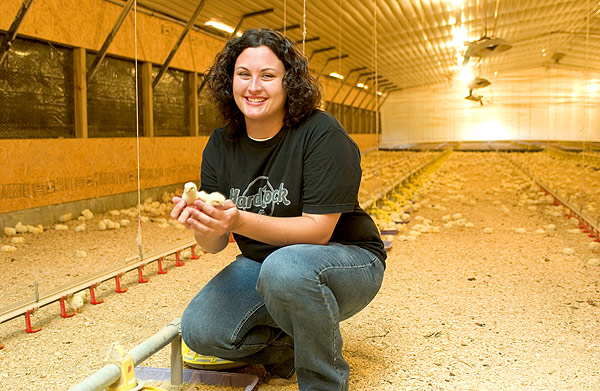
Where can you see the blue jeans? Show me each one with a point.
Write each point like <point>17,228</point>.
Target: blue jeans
<point>285,312</point>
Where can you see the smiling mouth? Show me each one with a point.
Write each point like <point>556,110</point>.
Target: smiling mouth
<point>256,100</point>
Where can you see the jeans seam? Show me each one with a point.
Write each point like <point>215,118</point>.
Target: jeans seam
<point>375,259</point>
<point>321,284</point>
<point>334,339</point>
<point>243,321</point>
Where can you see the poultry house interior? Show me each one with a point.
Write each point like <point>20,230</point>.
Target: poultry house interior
<point>478,129</point>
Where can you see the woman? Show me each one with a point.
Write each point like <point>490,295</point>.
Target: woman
<point>310,256</point>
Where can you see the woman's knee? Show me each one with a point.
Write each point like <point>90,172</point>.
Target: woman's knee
<point>194,332</point>
<point>285,274</point>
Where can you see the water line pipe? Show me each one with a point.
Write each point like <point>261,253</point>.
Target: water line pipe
<point>111,373</point>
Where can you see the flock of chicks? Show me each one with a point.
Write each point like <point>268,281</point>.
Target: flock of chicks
<point>397,217</point>
<point>149,210</point>
<point>381,171</point>
<point>571,177</point>
<point>394,204</point>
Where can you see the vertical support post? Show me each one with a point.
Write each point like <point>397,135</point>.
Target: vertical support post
<point>147,100</point>
<point>193,103</point>
<point>80,93</point>
<point>176,361</point>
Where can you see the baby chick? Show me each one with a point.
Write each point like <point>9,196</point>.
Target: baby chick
<point>215,199</point>
<point>78,299</point>
<point>190,193</point>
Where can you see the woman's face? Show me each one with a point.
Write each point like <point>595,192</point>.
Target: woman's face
<point>258,86</point>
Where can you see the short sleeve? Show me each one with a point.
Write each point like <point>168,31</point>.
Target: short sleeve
<point>332,172</point>
<point>208,174</point>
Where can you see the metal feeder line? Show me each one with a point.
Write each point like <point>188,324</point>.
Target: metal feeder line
<point>111,373</point>
<point>586,224</point>
<point>59,294</point>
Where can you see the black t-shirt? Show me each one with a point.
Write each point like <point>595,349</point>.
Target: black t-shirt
<point>312,168</point>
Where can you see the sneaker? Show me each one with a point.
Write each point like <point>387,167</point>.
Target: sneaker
<point>199,361</point>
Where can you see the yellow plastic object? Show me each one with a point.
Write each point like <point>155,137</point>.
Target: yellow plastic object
<point>151,388</point>
<point>127,382</point>
<point>199,361</point>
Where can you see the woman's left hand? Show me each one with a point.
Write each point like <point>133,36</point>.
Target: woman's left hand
<point>208,220</point>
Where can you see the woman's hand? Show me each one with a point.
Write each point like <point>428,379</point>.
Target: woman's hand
<point>205,219</point>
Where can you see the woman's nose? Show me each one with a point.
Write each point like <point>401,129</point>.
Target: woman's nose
<point>255,84</point>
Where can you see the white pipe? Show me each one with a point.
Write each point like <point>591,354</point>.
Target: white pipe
<point>111,373</point>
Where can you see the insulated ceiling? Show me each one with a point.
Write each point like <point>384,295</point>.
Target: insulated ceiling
<point>411,43</point>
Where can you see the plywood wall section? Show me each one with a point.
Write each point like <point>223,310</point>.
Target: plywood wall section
<point>54,171</point>
<point>86,24</point>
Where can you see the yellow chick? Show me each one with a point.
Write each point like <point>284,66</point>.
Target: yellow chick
<point>76,302</point>
<point>215,199</point>
<point>203,195</point>
<point>78,299</point>
<point>190,193</point>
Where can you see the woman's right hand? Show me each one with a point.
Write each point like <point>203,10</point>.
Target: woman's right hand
<point>211,224</point>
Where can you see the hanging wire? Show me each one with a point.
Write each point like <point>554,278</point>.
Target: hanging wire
<point>587,86</point>
<point>138,238</point>
<point>341,81</point>
<point>303,26</point>
<point>376,74</point>
<point>285,17</point>
<point>341,6</point>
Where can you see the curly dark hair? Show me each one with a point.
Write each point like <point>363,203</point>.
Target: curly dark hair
<point>303,90</point>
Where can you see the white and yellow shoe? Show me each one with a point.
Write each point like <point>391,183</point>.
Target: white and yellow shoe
<point>212,363</point>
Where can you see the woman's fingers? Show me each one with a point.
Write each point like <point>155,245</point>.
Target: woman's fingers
<point>203,217</point>
<point>178,207</point>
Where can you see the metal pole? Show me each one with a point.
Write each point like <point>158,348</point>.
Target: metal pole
<point>11,34</point>
<point>320,51</point>
<point>249,15</point>
<point>312,39</point>
<point>100,56</point>
<point>182,36</point>
<point>111,373</point>
<point>237,28</point>
<point>357,95</point>
<point>383,100</point>
<point>155,343</point>
<point>176,361</point>
<point>344,81</point>
<point>329,60</point>
<point>354,84</point>
<point>287,28</point>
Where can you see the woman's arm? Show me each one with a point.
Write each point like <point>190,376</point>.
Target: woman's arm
<point>210,240</point>
<point>213,224</point>
<point>283,231</point>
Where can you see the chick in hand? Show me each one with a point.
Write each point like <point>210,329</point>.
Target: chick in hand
<point>190,193</point>
<point>215,199</point>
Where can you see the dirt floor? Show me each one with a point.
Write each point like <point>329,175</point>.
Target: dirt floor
<point>492,306</point>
